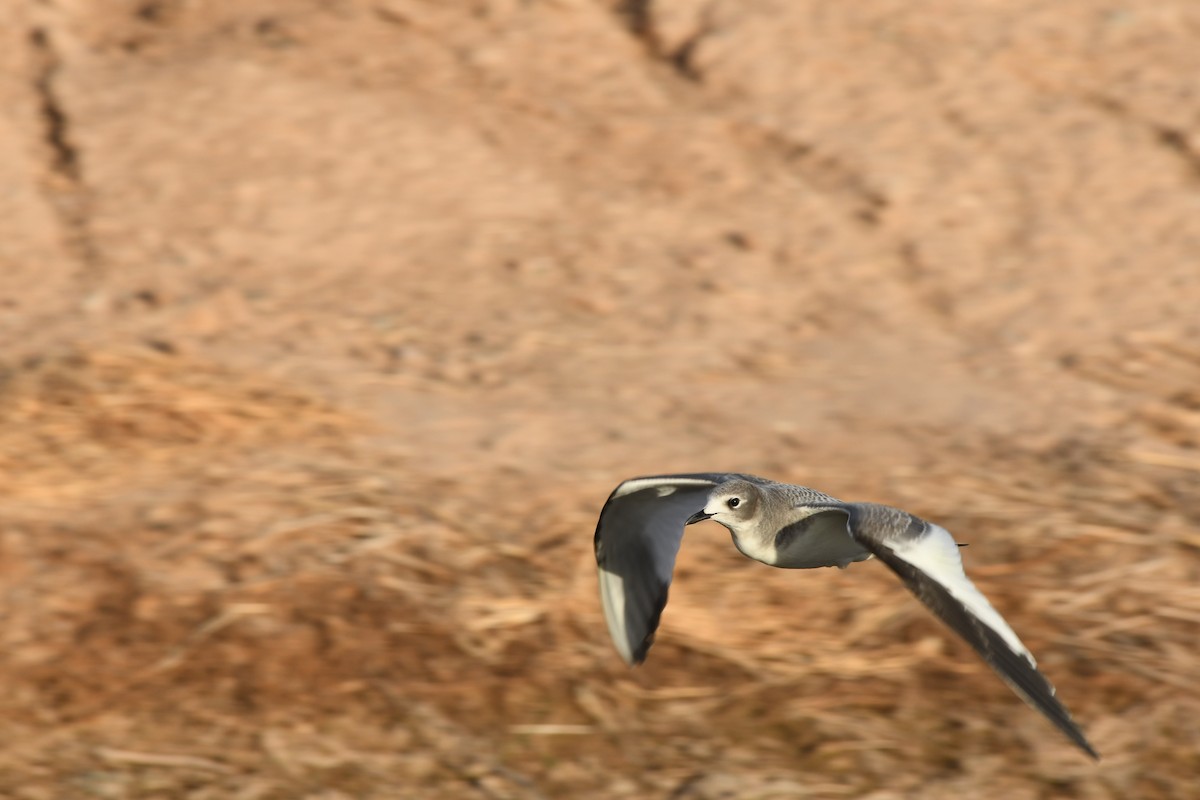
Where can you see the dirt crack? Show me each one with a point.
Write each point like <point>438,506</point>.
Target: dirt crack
<point>68,190</point>
<point>1177,142</point>
<point>639,20</point>
<point>827,173</point>
<point>1172,139</point>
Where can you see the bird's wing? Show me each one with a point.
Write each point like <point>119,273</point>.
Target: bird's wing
<point>637,539</point>
<point>926,558</point>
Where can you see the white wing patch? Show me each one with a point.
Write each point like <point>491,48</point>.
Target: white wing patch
<point>668,483</point>
<point>612,597</point>
<point>936,554</point>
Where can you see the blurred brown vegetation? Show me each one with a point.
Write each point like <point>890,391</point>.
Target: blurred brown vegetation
<point>328,325</point>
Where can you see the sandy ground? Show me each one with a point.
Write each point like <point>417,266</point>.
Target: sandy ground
<point>328,325</point>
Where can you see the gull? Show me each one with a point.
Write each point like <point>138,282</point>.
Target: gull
<point>794,527</point>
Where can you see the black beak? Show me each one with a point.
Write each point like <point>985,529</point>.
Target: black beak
<point>699,516</point>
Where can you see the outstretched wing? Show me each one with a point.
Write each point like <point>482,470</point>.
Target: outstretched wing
<point>637,539</point>
<point>926,558</point>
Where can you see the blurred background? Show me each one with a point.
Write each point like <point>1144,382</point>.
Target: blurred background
<point>328,326</point>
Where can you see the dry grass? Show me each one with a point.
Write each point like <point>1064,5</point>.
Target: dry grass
<point>214,589</point>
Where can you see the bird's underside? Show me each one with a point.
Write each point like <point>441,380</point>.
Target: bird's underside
<point>641,528</point>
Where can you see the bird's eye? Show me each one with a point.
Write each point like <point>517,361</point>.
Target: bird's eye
<point>734,502</point>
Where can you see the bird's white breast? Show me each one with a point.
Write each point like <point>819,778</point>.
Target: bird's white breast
<point>753,546</point>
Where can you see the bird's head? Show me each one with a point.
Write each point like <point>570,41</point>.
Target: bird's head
<point>733,504</point>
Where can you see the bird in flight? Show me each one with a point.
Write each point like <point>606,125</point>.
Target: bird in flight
<point>794,527</point>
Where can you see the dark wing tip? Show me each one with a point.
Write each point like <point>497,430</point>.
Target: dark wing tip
<point>657,604</point>
<point>641,651</point>
<point>1032,686</point>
